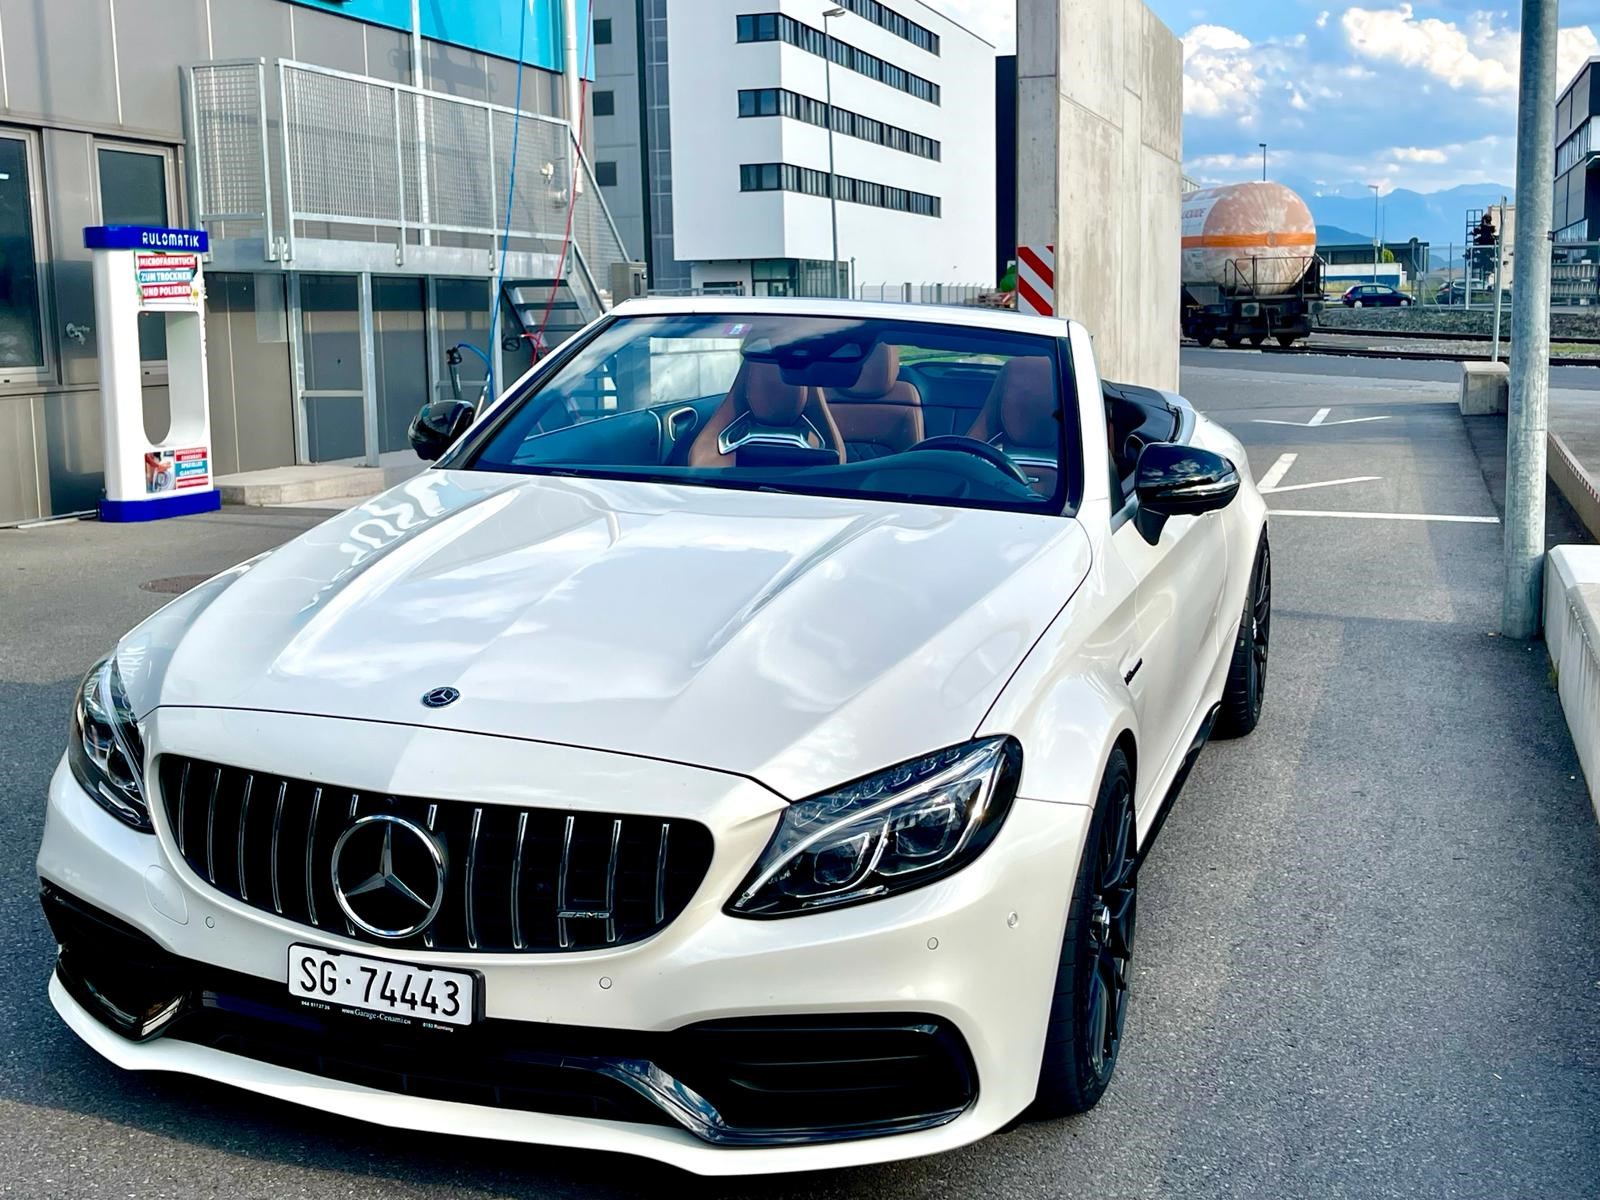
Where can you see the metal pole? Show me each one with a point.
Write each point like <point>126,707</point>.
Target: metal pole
<point>423,215</point>
<point>1263,162</point>
<point>369,372</point>
<point>569,28</point>
<point>833,178</point>
<point>1374,188</point>
<point>1499,260</point>
<point>1528,420</point>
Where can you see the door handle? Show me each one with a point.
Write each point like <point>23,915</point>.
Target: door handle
<point>681,423</point>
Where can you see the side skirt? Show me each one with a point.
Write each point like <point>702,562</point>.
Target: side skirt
<point>1182,777</point>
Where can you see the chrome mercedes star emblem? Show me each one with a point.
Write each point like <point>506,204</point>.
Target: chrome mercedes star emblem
<point>403,895</point>
<point>441,697</point>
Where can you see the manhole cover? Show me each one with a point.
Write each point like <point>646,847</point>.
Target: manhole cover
<point>174,585</point>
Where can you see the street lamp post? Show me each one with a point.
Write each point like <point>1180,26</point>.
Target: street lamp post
<point>1375,190</point>
<point>1263,162</point>
<point>833,178</point>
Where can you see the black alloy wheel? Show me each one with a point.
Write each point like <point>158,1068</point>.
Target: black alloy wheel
<point>1090,1005</point>
<point>1113,910</point>
<point>1246,689</point>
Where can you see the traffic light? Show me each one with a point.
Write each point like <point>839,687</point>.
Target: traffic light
<point>1485,236</point>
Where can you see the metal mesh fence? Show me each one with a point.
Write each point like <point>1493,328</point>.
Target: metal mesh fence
<point>228,142</point>
<point>359,158</point>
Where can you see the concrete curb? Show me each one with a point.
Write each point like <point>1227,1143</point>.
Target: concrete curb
<point>1572,632</point>
<point>1576,484</point>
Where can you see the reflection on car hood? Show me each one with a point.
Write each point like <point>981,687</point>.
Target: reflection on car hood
<point>801,641</point>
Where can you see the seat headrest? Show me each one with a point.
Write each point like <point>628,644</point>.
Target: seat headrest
<point>770,400</point>
<point>880,371</point>
<point>1030,410</point>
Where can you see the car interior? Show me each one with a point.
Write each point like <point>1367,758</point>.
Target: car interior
<point>870,412</point>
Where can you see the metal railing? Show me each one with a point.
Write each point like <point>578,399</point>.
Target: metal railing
<point>363,159</point>
<point>963,294</point>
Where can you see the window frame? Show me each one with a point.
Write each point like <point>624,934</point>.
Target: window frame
<point>46,372</point>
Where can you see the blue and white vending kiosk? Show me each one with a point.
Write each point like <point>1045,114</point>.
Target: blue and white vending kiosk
<point>144,270</point>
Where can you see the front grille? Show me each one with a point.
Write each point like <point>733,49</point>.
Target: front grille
<point>514,879</point>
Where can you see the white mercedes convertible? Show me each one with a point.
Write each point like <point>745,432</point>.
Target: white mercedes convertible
<point>738,750</point>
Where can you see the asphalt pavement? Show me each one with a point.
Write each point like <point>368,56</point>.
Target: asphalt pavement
<point>1369,938</point>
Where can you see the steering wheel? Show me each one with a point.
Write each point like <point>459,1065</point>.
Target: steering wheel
<point>992,455</point>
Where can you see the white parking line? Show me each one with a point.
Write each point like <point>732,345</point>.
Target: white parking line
<point>1320,420</point>
<point>1378,516</point>
<point>1276,472</point>
<point>1306,487</point>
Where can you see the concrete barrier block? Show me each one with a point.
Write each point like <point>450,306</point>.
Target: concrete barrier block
<point>1565,568</point>
<point>1485,388</point>
<point>1572,632</point>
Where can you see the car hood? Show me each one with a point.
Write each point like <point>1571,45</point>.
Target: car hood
<point>800,641</point>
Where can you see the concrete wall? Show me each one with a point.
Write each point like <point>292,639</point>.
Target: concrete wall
<point>1100,147</point>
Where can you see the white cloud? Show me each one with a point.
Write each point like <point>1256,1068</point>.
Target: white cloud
<point>1413,154</point>
<point>1478,56</point>
<point>1219,75</point>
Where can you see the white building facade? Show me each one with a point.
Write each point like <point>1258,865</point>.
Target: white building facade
<point>735,157</point>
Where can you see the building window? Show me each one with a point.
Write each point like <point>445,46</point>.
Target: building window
<point>778,102</point>
<point>802,277</point>
<point>773,27</point>
<point>21,324</point>
<point>605,104</point>
<point>1575,148</point>
<point>602,31</point>
<point>886,18</point>
<point>785,177</point>
<point>605,173</point>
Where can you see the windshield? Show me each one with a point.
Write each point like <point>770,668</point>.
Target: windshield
<point>886,409</point>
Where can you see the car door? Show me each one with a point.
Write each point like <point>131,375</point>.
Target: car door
<point>1179,585</point>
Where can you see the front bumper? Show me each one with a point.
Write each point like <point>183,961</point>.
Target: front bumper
<point>954,979</point>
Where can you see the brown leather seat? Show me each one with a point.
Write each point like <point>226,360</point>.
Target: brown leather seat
<point>880,414</point>
<point>1022,416</point>
<point>761,403</point>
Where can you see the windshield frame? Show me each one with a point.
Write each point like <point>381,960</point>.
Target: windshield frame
<point>465,454</point>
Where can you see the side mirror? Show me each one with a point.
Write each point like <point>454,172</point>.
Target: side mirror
<point>437,426</point>
<point>1180,481</point>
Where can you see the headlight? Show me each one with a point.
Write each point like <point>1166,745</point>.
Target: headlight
<point>900,829</point>
<point>106,752</point>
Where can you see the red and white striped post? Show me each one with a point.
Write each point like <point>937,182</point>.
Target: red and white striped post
<point>1036,280</point>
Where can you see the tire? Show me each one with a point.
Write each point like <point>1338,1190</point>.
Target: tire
<point>1090,1003</point>
<point>1234,343</point>
<point>1359,304</point>
<point>1258,342</point>
<point>1246,689</point>
<point>1287,340</point>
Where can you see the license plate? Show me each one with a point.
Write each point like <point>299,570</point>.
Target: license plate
<point>390,989</point>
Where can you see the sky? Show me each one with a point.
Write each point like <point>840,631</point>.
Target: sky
<point>1419,95</point>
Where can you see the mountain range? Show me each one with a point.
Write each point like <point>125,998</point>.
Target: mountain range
<point>1436,217</point>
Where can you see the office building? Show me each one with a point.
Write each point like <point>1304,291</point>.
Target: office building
<point>712,143</point>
